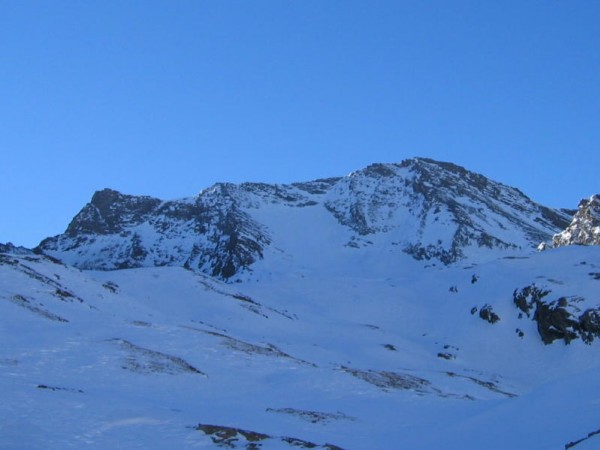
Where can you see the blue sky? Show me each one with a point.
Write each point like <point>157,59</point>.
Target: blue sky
<point>165,98</point>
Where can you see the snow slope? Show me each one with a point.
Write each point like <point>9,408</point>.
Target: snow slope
<point>341,352</point>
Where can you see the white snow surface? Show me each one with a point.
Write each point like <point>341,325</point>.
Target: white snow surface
<point>343,350</point>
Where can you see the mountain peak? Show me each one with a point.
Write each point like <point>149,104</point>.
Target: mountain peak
<point>427,209</point>
<point>109,211</point>
<point>104,196</point>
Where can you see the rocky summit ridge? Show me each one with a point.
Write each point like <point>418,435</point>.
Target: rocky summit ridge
<point>430,210</point>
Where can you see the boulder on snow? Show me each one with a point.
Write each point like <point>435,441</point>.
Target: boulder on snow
<point>488,314</point>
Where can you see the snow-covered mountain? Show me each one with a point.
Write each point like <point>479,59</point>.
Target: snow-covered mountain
<point>402,306</point>
<point>428,209</point>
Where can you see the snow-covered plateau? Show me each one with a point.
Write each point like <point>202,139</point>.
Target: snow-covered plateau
<point>401,306</point>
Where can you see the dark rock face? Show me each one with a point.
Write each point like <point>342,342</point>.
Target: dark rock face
<point>115,231</point>
<point>234,245</point>
<point>555,322</point>
<point>109,211</point>
<point>558,319</point>
<point>589,325</point>
<point>584,229</point>
<point>528,297</point>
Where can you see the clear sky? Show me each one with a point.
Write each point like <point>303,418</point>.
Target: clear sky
<point>165,98</point>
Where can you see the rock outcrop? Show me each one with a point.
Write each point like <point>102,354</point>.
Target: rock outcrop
<point>584,229</point>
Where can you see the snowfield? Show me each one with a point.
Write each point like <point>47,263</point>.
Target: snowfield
<point>168,358</point>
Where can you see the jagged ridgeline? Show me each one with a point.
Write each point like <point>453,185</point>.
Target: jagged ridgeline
<point>430,210</point>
